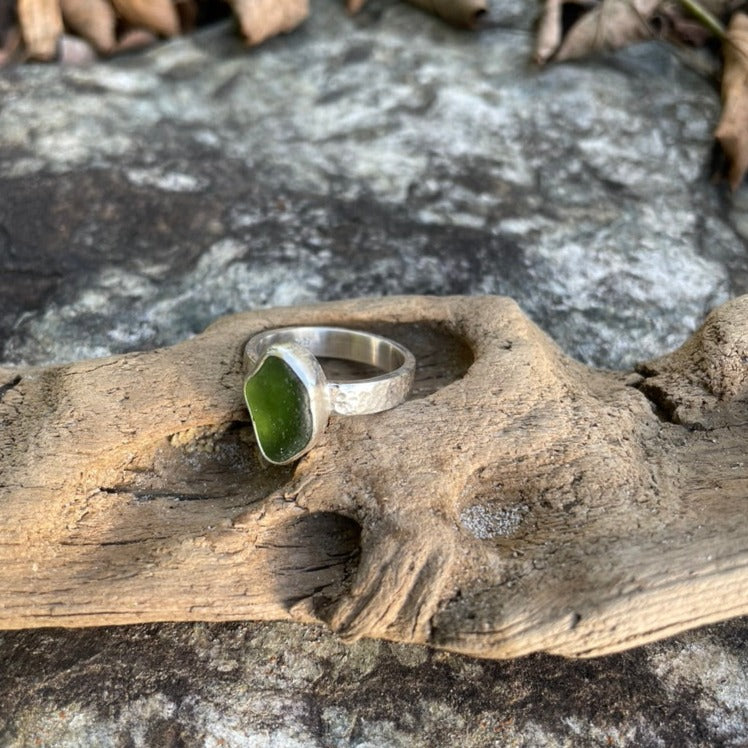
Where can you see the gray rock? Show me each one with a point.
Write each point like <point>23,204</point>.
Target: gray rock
<point>285,685</point>
<point>384,154</point>
<point>143,198</point>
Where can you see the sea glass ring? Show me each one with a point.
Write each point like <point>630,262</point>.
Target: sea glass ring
<point>290,398</point>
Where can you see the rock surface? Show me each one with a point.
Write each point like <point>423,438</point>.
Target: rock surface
<point>382,154</point>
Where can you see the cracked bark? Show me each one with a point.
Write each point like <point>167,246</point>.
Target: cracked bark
<point>518,501</point>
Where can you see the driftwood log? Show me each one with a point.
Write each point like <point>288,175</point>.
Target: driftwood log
<point>518,501</point>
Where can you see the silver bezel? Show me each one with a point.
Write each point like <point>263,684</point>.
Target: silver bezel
<point>312,377</point>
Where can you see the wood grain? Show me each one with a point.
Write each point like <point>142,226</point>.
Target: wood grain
<point>518,501</point>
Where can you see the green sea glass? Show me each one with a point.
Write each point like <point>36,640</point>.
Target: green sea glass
<point>279,405</point>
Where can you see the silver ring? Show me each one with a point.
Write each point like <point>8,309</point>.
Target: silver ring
<point>290,398</point>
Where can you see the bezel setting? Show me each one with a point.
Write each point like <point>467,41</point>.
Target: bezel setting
<point>307,370</point>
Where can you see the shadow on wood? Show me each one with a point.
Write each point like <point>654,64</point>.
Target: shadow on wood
<point>518,501</point>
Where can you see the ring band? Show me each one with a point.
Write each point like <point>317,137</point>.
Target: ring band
<point>289,397</point>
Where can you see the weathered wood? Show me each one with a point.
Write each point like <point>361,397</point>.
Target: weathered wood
<point>519,501</point>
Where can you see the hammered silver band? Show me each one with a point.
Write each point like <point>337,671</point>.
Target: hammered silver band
<point>356,397</point>
<point>300,347</point>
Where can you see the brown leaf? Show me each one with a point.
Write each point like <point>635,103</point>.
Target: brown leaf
<point>261,19</point>
<point>41,27</point>
<point>75,51</point>
<point>463,13</point>
<point>681,26</point>
<point>550,32</point>
<point>135,39</point>
<point>93,20</point>
<point>732,130</point>
<point>10,46</point>
<point>7,19</point>
<point>611,24</point>
<point>187,11</point>
<point>677,27</point>
<point>159,16</point>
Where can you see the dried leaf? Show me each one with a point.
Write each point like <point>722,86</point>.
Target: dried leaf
<point>75,51</point>
<point>612,24</point>
<point>261,19</point>
<point>187,11</point>
<point>10,46</point>
<point>41,27</point>
<point>463,13</point>
<point>732,130</point>
<point>159,16</point>
<point>677,26</point>
<point>7,19</point>
<point>135,39</point>
<point>93,20</point>
<point>550,32</point>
